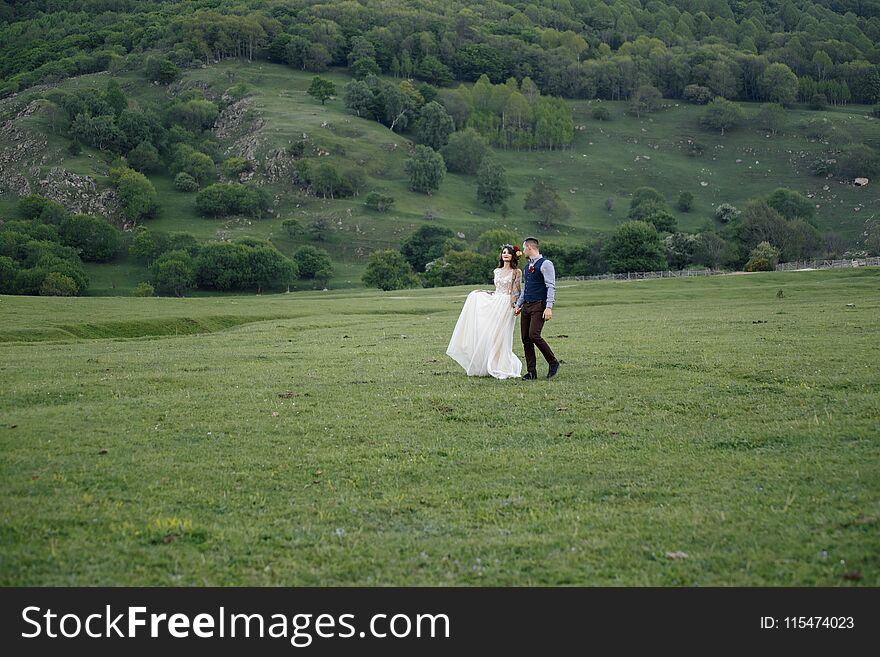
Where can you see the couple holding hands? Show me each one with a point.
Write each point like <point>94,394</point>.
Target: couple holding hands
<point>482,341</point>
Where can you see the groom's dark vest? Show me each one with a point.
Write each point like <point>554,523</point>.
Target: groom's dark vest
<point>535,289</point>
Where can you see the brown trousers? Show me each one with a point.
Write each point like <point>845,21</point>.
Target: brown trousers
<point>531,323</point>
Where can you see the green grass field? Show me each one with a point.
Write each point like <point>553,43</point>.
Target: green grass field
<point>608,159</point>
<point>326,439</point>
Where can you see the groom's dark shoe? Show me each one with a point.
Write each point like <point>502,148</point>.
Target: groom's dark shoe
<point>529,377</point>
<point>554,368</point>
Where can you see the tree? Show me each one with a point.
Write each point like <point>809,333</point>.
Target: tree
<point>364,67</point>
<point>379,202</point>
<point>173,273</point>
<point>195,115</point>
<point>779,84</point>
<point>425,169</point>
<point>791,204</point>
<point>679,248</point>
<point>490,242</point>
<point>321,89</point>
<point>319,228</point>
<point>434,71</point>
<point>646,98</point>
<point>143,289</point>
<point>326,182</point>
<point>761,223</point>
<point>721,115</point>
<point>771,117</point>
<point>221,199</point>
<point>858,160</point>
<point>697,94</point>
<point>713,251</point>
<point>425,245</point>
<point>313,263</point>
<point>144,158</point>
<point>292,227</point>
<point>197,164</point>
<point>115,97</point>
<point>822,64</point>
<point>635,246</point>
<point>764,257</point>
<point>389,270</point>
<point>184,182</point>
<point>98,131</point>
<point>234,166</point>
<point>434,125</point>
<point>161,70</point>
<point>458,268</point>
<point>544,201</point>
<point>726,213</point>
<point>94,237</point>
<point>137,196</point>
<point>147,245</point>
<point>685,202</point>
<point>58,285</point>
<point>465,151</point>
<point>492,187</point>
<point>358,97</point>
<point>649,205</point>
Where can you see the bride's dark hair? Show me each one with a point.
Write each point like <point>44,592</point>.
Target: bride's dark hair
<point>514,259</point>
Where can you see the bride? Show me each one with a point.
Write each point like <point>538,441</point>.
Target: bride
<point>482,341</point>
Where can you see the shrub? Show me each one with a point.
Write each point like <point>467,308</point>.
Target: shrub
<point>389,270</point>
<point>490,242</point>
<point>465,151</point>
<point>143,289</point>
<point>425,169</point>
<point>173,273</point>
<point>858,160</point>
<point>763,257</point>
<point>697,94</point>
<point>58,285</point>
<point>379,202</point>
<point>459,268</point>
<point>424,245</point>
<point>636,246</point>
<point>818,101</point>
<point>94,237</point>
<point>234,166</point>
<point>144,157</point>
<point>292,227</point>
<point>314,264</point>
<point>725,213</point>
<point>222,199</point>
<point>185,183</point>
<point>136,195</point>
<point>601,113</point>
<point>685,202</point>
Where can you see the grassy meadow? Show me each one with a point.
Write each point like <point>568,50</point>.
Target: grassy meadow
<point>324,438</point>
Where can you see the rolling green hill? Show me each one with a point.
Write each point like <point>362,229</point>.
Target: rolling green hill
<point>607,160</point>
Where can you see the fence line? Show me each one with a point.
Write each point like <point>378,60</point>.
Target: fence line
<point>636,275</point>
<point>829,264</point>
<point>783,266</point>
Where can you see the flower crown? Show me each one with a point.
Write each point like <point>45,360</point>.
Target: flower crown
<point>512,248</point>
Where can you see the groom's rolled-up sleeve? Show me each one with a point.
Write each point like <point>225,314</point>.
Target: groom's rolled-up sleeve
<point>549,272</point>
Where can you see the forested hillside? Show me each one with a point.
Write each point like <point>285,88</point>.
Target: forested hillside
<point>166,147</point>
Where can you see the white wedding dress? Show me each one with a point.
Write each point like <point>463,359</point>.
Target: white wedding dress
<point>482,341</point>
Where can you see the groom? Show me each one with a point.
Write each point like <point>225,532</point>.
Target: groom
<point>535,307</point>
